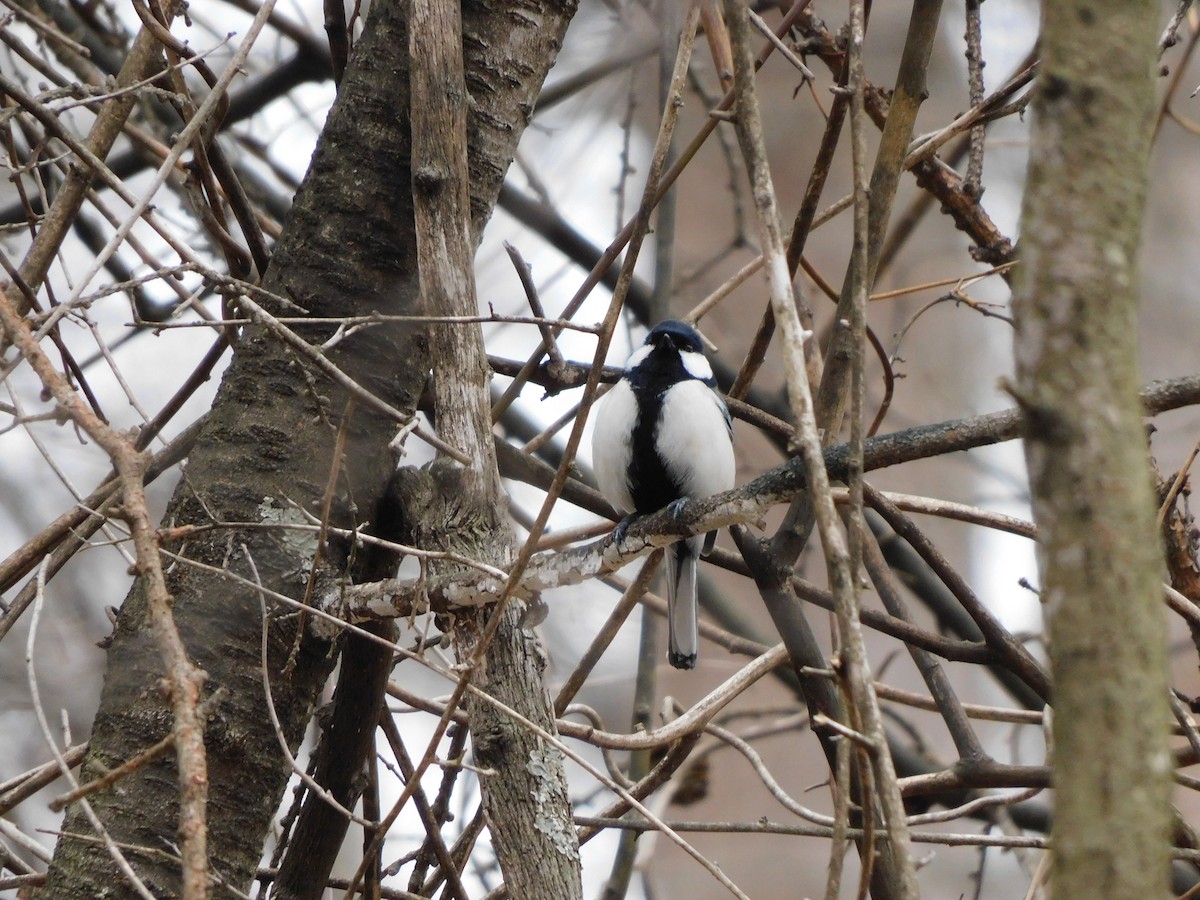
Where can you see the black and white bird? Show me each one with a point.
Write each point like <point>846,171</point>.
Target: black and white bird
<point>663,437</point>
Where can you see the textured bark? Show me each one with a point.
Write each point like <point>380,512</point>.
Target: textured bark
<point>1076,358</point>
<point>525,795</point>
<point>524,789</point>
<point>348,249</point>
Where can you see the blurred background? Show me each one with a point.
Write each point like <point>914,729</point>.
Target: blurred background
<point>939,314</point>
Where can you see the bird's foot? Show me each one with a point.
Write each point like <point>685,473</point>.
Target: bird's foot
<point>618,532</point>
<point>676,507</point>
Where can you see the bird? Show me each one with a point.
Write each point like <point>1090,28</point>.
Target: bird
<point>662,437</point>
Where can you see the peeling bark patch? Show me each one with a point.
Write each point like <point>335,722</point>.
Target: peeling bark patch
<point>298,542</point>
<point>544,765</point>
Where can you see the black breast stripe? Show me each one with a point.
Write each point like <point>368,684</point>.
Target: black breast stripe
<point>650,485</point>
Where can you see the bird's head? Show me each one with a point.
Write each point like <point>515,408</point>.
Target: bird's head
<point>677,335</point>
<point>673,351</point>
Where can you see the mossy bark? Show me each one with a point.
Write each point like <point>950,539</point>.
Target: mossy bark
<point>1076,309</point>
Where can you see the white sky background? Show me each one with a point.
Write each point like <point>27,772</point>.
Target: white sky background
<point>999,559</point>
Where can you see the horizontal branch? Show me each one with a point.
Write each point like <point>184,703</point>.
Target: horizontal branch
<point>764,826</point>
<point>400,597</point>
<point>394,598</point>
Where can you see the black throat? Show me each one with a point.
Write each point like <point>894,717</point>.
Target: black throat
<point>650,484</point>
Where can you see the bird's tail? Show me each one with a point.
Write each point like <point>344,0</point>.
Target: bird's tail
<point>683,632</point>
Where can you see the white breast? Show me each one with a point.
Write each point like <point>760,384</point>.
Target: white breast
<point>614,417</point>
<point>694,441</point>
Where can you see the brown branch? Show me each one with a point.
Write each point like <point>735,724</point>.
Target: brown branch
<point>74,527</point>
<point>966,742</point>
<point>946,185</point>
<point>15,790</point>
<point>429,819</point>
<point>185,679</point>
<point>1017,657</point>
<point>142,61</point>
<point>906,99</point>
<point>742,505</point>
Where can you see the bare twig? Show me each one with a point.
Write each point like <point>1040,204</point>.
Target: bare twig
<point>185,678</point>
<point>114,851</point>
<point>833,541</point>
<point>23,786</point>
<point>525,273</point>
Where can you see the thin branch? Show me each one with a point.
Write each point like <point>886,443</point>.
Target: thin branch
<point>186,680</point>
<point>113,850</point>
<point>742,505</point>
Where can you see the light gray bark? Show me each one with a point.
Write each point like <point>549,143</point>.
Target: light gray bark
<point>523,784</point>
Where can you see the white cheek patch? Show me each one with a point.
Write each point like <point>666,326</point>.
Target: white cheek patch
<point>637,356</point>
<point>697,366</point>
<point>614,418</point>
<point>694,441</point>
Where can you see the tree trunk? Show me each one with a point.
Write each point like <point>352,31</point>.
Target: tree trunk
<point>522,781</point>
<point>266,452</point>
<point>1076,309</point>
